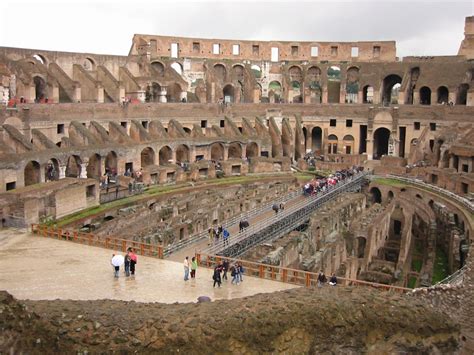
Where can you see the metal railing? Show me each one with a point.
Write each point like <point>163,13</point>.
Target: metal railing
<point>283,222</point>
<point>464,201</point>
<point>456,278</point>
<point>230,222</point>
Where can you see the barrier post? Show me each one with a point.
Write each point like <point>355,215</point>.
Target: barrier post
<point>124,246</point>
<point>261,271</point>
<point>307,279</point>
<point>284,276</point>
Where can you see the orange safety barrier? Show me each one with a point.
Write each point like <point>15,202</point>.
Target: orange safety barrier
<point>288,275</point>
<point>144,249</point>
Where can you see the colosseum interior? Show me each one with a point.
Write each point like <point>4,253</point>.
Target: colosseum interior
<point>183,134</point>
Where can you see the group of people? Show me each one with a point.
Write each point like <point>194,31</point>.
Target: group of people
<point>320,185</point>
<point>217,233</point>
<point>236,271</point>
<point>279,207</point>
<point>129,261</point>
<point>190,266</point>
<point>322,279</point>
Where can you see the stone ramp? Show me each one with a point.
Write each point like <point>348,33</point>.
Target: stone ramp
<point>46,269</point>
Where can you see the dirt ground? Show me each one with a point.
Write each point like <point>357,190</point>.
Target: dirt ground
<point>297,321</point>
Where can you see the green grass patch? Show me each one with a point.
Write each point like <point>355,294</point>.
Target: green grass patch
<point>440,269</point>
<point>411,282</point>
<point>389,182</point>
<point>153,191</point>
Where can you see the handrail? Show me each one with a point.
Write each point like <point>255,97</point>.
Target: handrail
<point>90,239</point>
<point>465,202</point>
<point>332,190</point>
<point>288,275</point>
<point>271,272</point>
<point>229,222</point>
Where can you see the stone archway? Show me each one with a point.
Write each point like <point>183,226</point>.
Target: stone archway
<point>182,154</point>
<point>252,150</point>
<point>40,89</point>
<point>94,167</point>
<point>376,195</point>
<point>228,92</point>
<point>111,162</point>
<point>32,173</point>
<point>73,166</point>
<point>51,170</point>
<point>317,139</point>
<point>217,151</point>
<point>165,155</point>
<point>147,157</point>
<point>235,151</point>
<point>390,88</point>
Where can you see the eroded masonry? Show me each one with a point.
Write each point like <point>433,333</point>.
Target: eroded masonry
<point>79,130</point>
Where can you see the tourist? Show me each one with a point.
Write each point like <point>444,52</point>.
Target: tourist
<point>275,208</point>
<point>225,268</point>
<point>217,276</point>
<point>233,273</point>
<point>210,236</point>
<point>225,236</point>
<point>194,266</point>
<point>186,268</point>
<point>321,279</point>
<point>333,280</point>
<point>240,271</point>
<point>127,264</point>
<point>133,260</point>
<point>282,206</point>
<point>116,268</point>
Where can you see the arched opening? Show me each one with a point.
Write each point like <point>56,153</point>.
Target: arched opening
<point>51,170</point>
<point>274,92</point>
<point>187,130</point>
<point>381,138</point>
<point>295,92</point>
<point>158,68</point>
<point>295,73</point>
<point>390,195</point>
<point>111,163</point>
<point>334,84</point>
<point>348,142</point>
<point>425,96</point>
<point>317,139</point>
<point>88,64</point>
<point>368,94</point>
<point>238,73</point>
<point>178,68</point>
<point>40,58</point>
<point>235,151</point>
<point>40,89</point>
<point>332,144</point>
<point>220,72</point>
<point>443,95</point>
<point>361,243</point>
<point>182,154</point>
<point>73,166</point>
<point>32,173</point>
<point>375,195</point>
<point>153,92</point>
<point>414,75</point>
<point>256,70</point>
<point>315,92</point>
<point>390,89</point>
<point>252,150</point>
<point>217,151</point>
<point>147,157</point>
<point>165,155</point>
<point>94,167</point>
<point>462,94</point>
<point>352,85</point>
<point>228,93</point>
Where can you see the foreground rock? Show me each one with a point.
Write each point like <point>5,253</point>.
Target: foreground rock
<point>298,321</point>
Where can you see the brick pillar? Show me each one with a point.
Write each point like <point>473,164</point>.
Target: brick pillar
<point>83,171</point>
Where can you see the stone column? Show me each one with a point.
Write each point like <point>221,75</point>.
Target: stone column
<point>226,152</point>
<point>162,95</point>
<point>370,147</point>
<point>83,171</point>
<point>62,171</point>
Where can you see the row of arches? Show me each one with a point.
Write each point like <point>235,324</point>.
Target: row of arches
<point>97,165</point>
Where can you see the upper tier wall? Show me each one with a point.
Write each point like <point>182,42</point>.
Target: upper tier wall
<point>161,46</point>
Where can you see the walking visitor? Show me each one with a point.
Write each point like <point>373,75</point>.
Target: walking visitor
<point>186,268</point>
<point>194,266</point>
